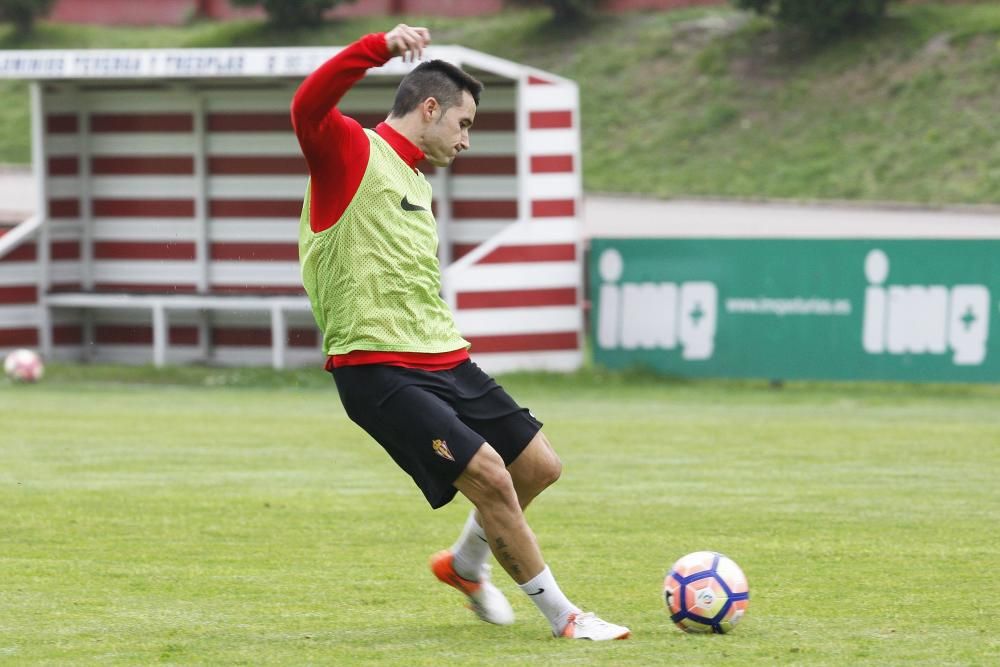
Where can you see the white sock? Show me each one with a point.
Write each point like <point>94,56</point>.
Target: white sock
<point>548,597</point>
<point>470,550</point>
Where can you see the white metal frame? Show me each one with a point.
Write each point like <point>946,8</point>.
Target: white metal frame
<point>44,246</point>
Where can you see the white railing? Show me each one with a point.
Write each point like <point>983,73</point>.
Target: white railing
<point>19,234</point>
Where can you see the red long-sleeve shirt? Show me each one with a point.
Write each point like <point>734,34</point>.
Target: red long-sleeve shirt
<point>336,149</point>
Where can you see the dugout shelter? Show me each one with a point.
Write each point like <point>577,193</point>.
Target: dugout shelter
<point>169,190</point>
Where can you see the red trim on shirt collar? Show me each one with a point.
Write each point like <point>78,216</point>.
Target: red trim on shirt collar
<point>405,148</point>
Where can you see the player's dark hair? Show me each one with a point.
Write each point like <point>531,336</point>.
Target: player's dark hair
<point>438,79</point>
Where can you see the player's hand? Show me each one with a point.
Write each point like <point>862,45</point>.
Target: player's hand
<point>407,42</point>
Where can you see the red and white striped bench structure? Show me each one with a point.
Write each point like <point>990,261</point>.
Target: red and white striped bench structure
<point>170,185</point>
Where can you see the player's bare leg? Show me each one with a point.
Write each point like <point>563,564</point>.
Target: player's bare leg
<point>488,484</point>
<point>535,468</point>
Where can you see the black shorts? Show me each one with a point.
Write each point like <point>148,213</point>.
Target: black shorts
<point>432,422</point>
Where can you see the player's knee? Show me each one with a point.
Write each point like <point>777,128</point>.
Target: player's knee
<point>547,465</point>
<point>486,477</point>
<point>552,469</point>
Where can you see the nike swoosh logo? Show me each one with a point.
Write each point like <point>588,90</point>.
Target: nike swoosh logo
<point>538,592</point>
<point>407,206</point>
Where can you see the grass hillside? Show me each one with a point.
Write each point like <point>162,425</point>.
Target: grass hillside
<point>710,102</point>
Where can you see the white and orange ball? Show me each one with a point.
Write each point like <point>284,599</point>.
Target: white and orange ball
<point>24,366</point>
<point>706,592</point>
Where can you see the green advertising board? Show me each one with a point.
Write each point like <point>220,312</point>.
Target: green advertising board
<point>916,310</point>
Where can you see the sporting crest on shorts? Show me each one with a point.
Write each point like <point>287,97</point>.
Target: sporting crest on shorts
<point>441,449</point>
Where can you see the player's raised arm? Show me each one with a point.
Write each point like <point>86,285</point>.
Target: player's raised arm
<point>335,146</point>
<point>319,94</point>
<point>316,99</point>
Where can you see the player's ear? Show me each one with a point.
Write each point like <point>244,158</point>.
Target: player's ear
<point>429,108</point>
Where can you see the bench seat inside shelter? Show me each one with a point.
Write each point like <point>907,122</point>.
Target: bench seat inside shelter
<point>161,305</point>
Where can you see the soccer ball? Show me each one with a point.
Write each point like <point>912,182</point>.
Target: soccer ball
<point>706,592</point>
<point>23,366</point>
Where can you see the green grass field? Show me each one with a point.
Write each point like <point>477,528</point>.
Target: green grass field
<point>237,517</point>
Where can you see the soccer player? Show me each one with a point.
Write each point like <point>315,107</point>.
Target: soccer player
<point>368,249</point>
